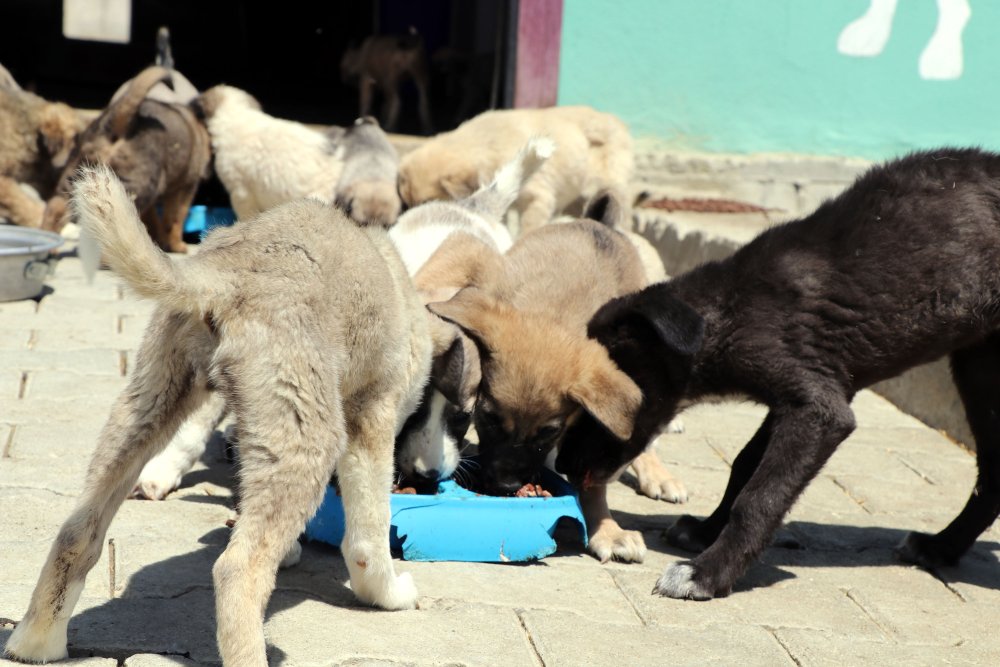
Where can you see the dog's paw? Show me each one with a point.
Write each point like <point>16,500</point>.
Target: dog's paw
<point>400,594</point>
<point>690,534</point>
<point>157,480</point>
<point>26,644</point>
<point>678,581</point>
<point>925,551</point>
<point>663,487</point>
<point>613,542</point>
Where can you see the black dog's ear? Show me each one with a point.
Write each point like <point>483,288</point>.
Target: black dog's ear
<point>679,330</point>
<point>605,208</point>
<point>455,372</point>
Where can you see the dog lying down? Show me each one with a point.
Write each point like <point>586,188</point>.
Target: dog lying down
<point>310,328</point>
<point>897,271</point>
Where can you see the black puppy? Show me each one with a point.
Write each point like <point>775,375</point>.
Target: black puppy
<point>899,270</point>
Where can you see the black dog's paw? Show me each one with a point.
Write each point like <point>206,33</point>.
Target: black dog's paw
<point>684,581</point>
<point>690,534</point>
<point>924,550</point>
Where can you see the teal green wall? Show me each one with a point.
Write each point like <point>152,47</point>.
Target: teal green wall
<point>765,75</point>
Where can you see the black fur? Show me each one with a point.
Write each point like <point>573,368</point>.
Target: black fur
<point>900,269</point>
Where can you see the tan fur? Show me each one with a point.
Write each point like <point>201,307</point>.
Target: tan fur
<point>320,346</point>
<point>36,137</point>
<point>18,206</point>
<point>264,161</point>
<point>593,152</point>
<point>159,150</point>
<point>372,202</point>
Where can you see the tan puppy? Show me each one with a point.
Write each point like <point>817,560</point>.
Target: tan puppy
<point>264,161</point>
<point>539,369</point>
<point>593,152</point>
<point>36,137</point>
<point>311,329</point>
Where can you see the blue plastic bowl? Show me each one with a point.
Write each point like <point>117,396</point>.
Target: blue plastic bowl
<point>202,219</point>
<point>456,524</point>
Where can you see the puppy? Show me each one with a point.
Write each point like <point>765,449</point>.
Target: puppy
<point>310,328</point>
<point>898,270</point>
<point>159,150</point>
<point>448,246</point>
<point>539,369</point>
<point>384,62</point>
<point>19,204</point>
<point>264,161</point>
<point>36,138</point>
<point>595,152</point>
<point>7,80</point>
<point>367,186</point>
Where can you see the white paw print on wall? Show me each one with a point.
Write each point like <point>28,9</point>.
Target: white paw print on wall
<point>941,59</point>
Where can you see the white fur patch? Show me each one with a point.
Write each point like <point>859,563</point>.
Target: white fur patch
<point>429,446</point>
<point>677,582</point>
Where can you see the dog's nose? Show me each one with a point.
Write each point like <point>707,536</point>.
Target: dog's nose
<point>431,475</point>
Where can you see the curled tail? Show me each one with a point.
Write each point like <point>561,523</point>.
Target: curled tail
<point>494,199</point>
<point>122,110</point>
<point>111,226</point>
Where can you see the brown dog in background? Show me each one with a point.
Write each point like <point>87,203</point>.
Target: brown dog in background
<point>383,62</point>
<point>160,152</point>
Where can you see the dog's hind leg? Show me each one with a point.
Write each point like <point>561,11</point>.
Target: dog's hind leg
<point>159,396</point>
<point>365,476</point>
<point>976,370</point>
<point>164,471</point>
<point>291,431</point>
<point>655,480</point>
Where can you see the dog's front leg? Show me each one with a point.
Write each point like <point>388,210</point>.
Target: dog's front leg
<point>607,539</point>
<point>697,535</point>
<point>365,476</point>
<point>655,480</point>
<point>801,440</point>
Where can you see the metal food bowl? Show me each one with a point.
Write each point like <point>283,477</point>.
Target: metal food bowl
<point>25,261</point>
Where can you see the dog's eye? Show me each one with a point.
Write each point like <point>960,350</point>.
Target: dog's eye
<point>459,420</point>
<point>546,433</point>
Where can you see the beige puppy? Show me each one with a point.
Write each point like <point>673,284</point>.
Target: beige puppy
<point>539,368</point>
<point>593,152</point>
<point>264,161</point>
<point>312,331</point>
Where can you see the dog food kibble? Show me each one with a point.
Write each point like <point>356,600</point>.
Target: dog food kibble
<point>404,489</point>
<point>532,491</point>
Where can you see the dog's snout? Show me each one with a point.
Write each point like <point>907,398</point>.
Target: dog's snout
<point>431,475</point>
<point>507,486</point>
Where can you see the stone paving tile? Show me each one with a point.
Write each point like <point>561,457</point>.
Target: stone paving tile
<point>563,639</point>
<point>104,361</point>
<point>443,633</point>
<point>815,648</point>
<point>65,386</point>
<point>14,337</point>
<point>153,660</point>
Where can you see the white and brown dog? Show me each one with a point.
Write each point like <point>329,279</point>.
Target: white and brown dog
<point>310,329</point>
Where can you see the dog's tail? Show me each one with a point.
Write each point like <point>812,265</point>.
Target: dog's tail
<point>124,109</point>
<point>111,226</point>
<point>164,54</point>
<point>493,200</point>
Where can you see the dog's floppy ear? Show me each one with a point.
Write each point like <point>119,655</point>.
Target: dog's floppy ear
<point>608,394</point>
<point>455,371</point>
<point>473,311</point>
<point>457,187</point>
<point>652,315</point>
<point>606,208</point>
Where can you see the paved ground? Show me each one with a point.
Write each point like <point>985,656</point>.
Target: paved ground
<point>830,593</point>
